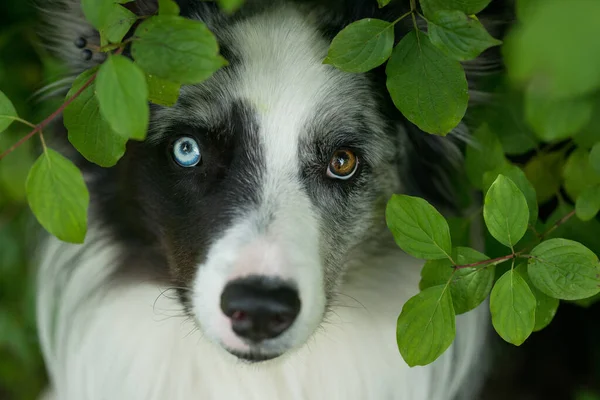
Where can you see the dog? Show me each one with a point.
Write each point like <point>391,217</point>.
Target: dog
<point>241,250</point>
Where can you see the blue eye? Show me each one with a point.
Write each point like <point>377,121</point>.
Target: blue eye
<point>186,152</point>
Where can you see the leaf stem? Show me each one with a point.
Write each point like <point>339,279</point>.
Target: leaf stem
<point>413,9</point>
<point>406,14</point>
<point>17,119</point>
<point>520,253</point>
<point>490,261</point>
<point>38,128</point>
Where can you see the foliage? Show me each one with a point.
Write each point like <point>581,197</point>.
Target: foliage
<point>428,85</point>
<point>549,110</point>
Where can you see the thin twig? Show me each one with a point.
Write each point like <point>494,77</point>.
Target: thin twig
<point>490,261</point>
<point>48,120</point>
<point>557,224</point>
<point>520,253</point>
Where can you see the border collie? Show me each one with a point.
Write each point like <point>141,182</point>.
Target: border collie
<point>257,265</point>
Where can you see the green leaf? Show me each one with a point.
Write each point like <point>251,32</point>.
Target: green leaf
<point>428,87</point>
<point>426,326</point>
<point>579,174</point>
<point>7,112</point>
<point>383,3</point>
<point>459,36</point>
<point>230,6</point>
<point>162,91</point>
<point>584,232</point>
<point>517,176</point>
<point>418,228</point>
<point>96,11</point>
<point>545,48</point>
<point>177,49</point>
<point>467,6</point>
<point>564,269</point>
<point>117,23</point>
<point>111,19</point>
<point>544,173</point>
<point>512,305</point>
<point>469,286</point>
<point>88,132</point>
<point>168,7</point>
<point>594,157</point>
<point>58,196</point>
<point>361,46</point>
<point>545,307</point>
<point>505,211</point>
<point>588,203</point>
<point>588,301</point>
<point>554,120</point>
<point>122,94</point>
<point>485,154</point>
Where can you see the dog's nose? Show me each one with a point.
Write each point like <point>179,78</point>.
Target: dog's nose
<point>260,308</point>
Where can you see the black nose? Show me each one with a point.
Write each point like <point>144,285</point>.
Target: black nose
<point>260,308</point>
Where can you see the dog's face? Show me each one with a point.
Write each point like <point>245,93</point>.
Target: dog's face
<point>260,181</point>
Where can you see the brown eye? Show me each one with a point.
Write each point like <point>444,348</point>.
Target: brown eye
<point>343,164</point>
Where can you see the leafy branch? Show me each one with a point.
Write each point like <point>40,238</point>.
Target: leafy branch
<point>108,105</point>
<point>507,257</point>
<point>38,128</point>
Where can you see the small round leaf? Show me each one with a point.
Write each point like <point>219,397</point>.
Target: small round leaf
<point>594,157</point>
<point>177,49</point>
<point>230,6</point>
<point>122,94</point>
<point>418,228</point>
<point>426,326</point>
<point>427,86</point>
<point>87,131</point>
<point>466,6</point>
<point>505,211</point>
<point>168,7</point>
<point>458,35</point>
<point>162,91</point>
<point>588,203</point>
<point>579,174</point>
<point>554,120</point>
<point>517,176</point>
<point>564,269</point>
<point>7,112</point>
<point>512,305</point>
<point>58,196</point>
<point>362,45</point>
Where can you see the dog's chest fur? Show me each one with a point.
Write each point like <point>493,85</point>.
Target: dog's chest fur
<point>127,340</point>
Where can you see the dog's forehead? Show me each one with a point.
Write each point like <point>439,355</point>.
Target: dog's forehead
<point>276,70</point>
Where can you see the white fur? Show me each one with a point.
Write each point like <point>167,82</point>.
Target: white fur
<point>109,340</point>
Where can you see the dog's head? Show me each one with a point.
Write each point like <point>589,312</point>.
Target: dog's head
<point>260,183</point>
